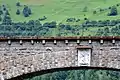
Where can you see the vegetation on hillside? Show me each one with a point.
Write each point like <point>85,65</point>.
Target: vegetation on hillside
<point>79,75</point>
<point>87,19</point>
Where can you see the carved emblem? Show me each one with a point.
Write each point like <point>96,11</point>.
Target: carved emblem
<point>84,56</point>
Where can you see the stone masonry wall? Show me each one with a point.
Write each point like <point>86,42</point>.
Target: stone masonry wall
<point>16,59</point>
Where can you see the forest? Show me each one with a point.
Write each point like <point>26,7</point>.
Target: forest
<point>81,74</point>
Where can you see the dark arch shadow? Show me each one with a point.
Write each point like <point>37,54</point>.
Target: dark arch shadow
<point>22,77</point>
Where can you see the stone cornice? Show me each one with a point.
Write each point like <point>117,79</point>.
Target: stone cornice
<point>63,38</point>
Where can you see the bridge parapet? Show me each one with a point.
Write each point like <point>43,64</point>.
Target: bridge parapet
<point>20,56</point>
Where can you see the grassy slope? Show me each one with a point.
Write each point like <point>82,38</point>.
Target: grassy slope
<point>60,10</point>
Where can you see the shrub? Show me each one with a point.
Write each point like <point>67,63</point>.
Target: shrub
<point>18,12</point>
<point>113,11</point>
<point>18,4</point>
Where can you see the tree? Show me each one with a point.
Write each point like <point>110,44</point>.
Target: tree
<point>18,4</point>
<point>29,11</point>
<point>44,17</point>
<point>0,18</point>
<point>4,7</point>
<point>59,75</point>
<point>7,20</point>
<point>52,24</point>
<point>85,19</point>
<point>37,26</point>
<point>46,24</point>
<point>114,30</point>
<point>101,10</point>
<point>117,4</point>
<point>106,30</point>
<point>110,7</point>
<point>1,12</point>
<point>71,20</point>
<point>99,32</point>
<point>113,11</point>
<point>18,12</point>
<point>26,11</point>
<point>94,12</point>
<point>113,22</point>
<point>85,9</point>
<point>77,20</point>
<point>7,12</point>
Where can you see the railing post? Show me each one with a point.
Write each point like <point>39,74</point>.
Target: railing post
<point>55,42</point>
<point>43,42</point>
<point>32,42</point>
<point>21,42</point>
<point>66,41</point>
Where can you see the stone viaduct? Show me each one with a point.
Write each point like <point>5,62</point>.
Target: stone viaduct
<point>23,55</point>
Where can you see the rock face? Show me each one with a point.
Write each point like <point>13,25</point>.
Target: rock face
<point>17,58</point>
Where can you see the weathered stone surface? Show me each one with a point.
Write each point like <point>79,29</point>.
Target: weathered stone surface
<point>16,59</point>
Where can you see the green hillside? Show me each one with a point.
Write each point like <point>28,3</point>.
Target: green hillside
<point>59,17</point>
